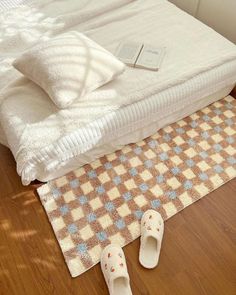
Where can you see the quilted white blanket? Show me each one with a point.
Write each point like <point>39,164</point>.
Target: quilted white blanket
<point>37,132</point>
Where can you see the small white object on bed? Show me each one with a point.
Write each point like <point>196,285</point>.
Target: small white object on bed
<point>69,67</point>
<point>199,68</point>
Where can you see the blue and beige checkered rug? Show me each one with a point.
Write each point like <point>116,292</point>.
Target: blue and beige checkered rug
<point>103,202</point>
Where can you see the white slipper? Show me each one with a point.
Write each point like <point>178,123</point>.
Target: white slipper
<point>152,229</point>
<point>115,272</point>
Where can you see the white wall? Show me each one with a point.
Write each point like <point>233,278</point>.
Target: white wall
<point>189,6</point>
<point>219,14</point>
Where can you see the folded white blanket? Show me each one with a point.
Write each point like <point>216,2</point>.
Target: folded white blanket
<point>32,124</point>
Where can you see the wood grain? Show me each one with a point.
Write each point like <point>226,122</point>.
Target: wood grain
<point>234,92</point>
<point>198,255</point>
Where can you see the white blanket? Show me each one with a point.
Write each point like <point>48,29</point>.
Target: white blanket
<point>35,128</point>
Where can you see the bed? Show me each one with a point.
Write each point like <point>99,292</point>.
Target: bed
<point>199,68</point>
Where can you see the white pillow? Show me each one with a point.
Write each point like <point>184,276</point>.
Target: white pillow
<point>68,67</point>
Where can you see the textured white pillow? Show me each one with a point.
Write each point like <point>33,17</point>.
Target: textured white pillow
<point>68,67</point>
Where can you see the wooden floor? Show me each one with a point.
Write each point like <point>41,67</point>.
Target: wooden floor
<point>198,255</point>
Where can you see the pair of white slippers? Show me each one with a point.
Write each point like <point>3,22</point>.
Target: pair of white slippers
<point>113,261</point>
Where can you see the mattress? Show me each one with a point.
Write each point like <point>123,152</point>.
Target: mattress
<point>139,132</point>
<point>199,68</point>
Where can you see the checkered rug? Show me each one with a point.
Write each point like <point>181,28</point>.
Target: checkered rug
<point>103,202</point>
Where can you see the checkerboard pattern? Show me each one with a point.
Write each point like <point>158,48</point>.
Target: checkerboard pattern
<point>103,202</point>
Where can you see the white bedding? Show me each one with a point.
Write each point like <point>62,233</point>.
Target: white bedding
<point>42,138</point>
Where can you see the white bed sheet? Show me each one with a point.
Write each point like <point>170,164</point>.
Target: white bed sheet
<point>44,141</point>
<point>139,132</point>
<point>135,131</point>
